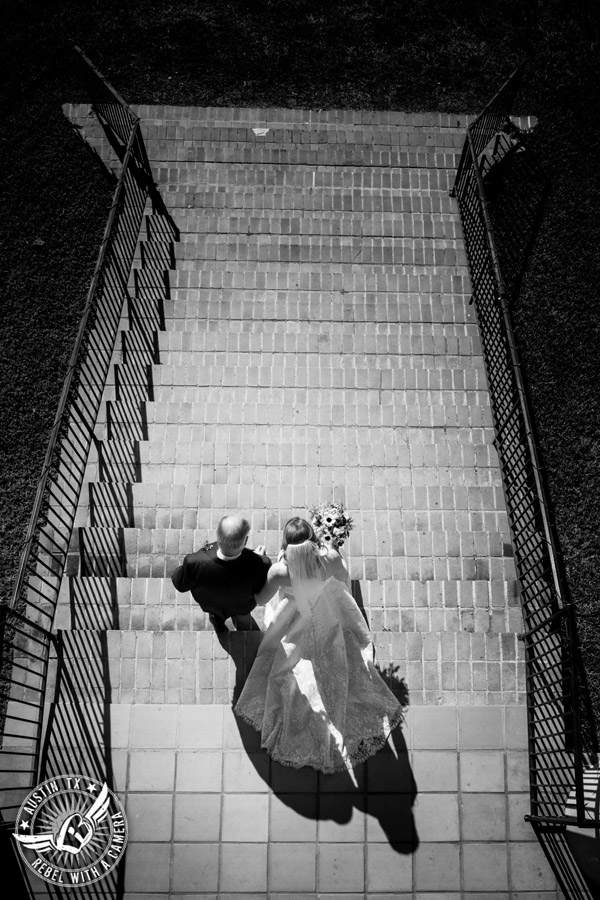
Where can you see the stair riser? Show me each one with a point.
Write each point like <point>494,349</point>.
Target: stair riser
<point>335,202</point>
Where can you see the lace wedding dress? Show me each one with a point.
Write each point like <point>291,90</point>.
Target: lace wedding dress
<point>313,692</point>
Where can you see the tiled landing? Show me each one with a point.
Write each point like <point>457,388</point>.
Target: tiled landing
<point>437,814</point>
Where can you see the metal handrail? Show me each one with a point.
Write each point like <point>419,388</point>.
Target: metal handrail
<point>27,618</point>
<point>555,749</point>
<point>73,366</point>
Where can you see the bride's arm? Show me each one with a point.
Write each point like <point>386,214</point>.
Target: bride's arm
<point>277,577</point>
<point>338,569</point>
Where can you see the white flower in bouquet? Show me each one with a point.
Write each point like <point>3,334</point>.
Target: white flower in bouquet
<point>331,523</point>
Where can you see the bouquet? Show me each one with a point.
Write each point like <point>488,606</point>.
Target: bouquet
<point>331,524</point>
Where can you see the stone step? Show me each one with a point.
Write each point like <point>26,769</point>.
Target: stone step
<point>388,354</point>
<point>213,355</point>
<point>348,338</point>
<point>319,171</point>
<point>332,118</point>
<point>273,248</point>
<point>304,134</point>
<point>267,386</point>
<point>305,277</point>
<point>297,498</point>
<point>138,505</point>
<point>443,668</point>
<point>132,552</point>
<point>153,604</point>
<point>297,480</point>
<point>264,412</point>
<point>339,200</point>
<point>257,152</point>
<point>126,447</point>
<point>346,341</point>
<point>295,370</point>
<point>340,119</point>
<point>293,451</point>
<point>364,541</point>
<point>189,309</point>
<point>400,503</point>
<point>418,225</point>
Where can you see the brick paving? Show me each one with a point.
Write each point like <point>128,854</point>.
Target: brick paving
<point>313,339</point>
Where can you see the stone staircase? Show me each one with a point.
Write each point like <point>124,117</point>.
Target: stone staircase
<point>303,334</point>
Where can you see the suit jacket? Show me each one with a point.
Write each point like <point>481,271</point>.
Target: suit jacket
<point>222,587</point>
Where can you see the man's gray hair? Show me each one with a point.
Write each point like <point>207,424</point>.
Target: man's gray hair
<point>232,532</point>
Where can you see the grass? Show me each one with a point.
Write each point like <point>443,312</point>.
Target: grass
<point>449,55</point>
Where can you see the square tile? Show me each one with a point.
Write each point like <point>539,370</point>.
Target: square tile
<point>390,818</point>
<point>481,728</point>
<point>245,772</point>
<point>437,867</point>
<point>337,781</point>
<point>197,817</point>
<point>292,867</point>
<point>195,867</point>
<point>529,868</point>
<point>515,727</point>
<point>483,817</point>
<point>293,817</point>
<point>149,817</point>
<point>148,867</point>
<point>199,771</point>
<point>390,772</point>
<point>243,867</point>
<point>119,759</point>
<point>435,770</point>
<point>485,867</point>
<point>517,770</point>
<point>151,770</point>
<point>434,728</point>
<point>339,820</point>
<point>120,721</point>
<point>341,867</point>
<point>481,771</point>
<point>245,817</point>
<point>286,780</point>
<point>239,735</point>
<point>519,806</point>
<point>153,726</point>
<point>200,727</point>
<point>436,817</point>
<point>388,869</point>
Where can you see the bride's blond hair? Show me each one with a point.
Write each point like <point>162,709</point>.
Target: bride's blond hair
<point>302,551</point>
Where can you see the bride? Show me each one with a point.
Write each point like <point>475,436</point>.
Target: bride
<point>313,692</point>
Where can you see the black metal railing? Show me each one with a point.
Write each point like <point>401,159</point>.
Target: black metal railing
<point>27,620</point>
<point>556,757</point>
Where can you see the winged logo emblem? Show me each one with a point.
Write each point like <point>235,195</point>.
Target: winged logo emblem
<point>75,832</point>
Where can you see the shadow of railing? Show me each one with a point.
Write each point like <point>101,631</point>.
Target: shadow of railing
<point>78,728</point>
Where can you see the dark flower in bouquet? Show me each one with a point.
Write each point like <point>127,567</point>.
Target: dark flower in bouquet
<point>331,523</point>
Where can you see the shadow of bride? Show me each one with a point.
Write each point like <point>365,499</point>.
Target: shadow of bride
<point>383,789</point>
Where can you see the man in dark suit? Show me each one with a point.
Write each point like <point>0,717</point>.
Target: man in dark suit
<point>224,576</point>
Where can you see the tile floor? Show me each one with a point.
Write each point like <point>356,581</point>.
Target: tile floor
<point>439,813</point>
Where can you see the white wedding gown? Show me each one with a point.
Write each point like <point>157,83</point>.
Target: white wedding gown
<point>313,692</point>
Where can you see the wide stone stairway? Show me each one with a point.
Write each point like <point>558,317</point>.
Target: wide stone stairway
<point>307,336</point>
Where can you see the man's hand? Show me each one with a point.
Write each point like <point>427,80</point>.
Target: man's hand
<point>261,550</point>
